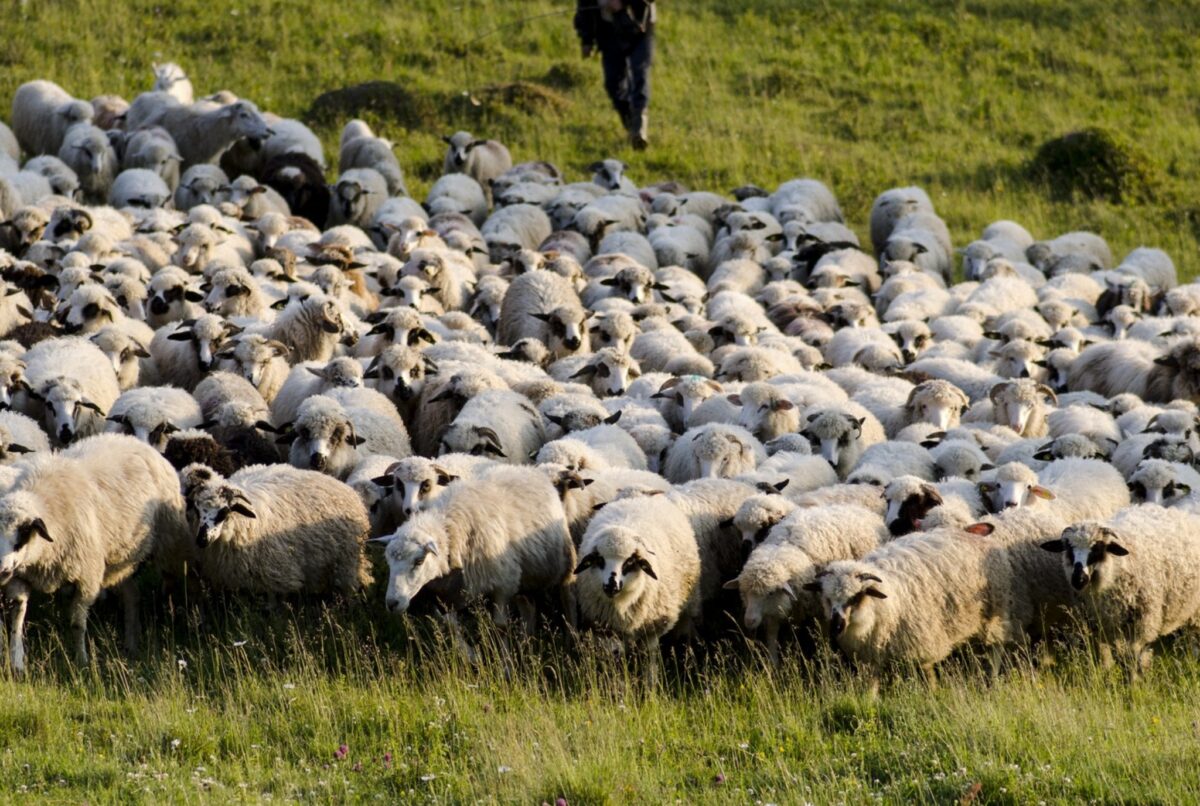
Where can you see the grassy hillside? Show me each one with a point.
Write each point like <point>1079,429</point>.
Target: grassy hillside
<point>954,96</point>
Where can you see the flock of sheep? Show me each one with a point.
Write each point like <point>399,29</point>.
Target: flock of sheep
<point>644,410</point>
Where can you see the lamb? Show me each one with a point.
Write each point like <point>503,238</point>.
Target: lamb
<point>767,412</point>
<point>332,436</point>
<point>85,517</point>
<point>843,432</point>
<point>502,552</point>
<point>63,180</point>
<point>482,160</point>
<point>712,451</point>
<point>773,581</point>
<point>1138,578</point>
<point>639,571</point>
<point>152,413</point>
<point>310,378</point>
<point>85,150</point>
<point>607,214</point>
<point>497,423</point>
<point>74,385</point>
<point>278,530</point>
<point>42,113</point>
<point>224,396</point>
<point>757,516</point>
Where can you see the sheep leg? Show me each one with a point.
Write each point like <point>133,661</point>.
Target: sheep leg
<point>653,660</point>
<point>1106,655</point>
<point>456,635</point>
<point>772,630</point>
<point>927,671</point>
<point>80,605</point>
<point>528,613</point>
<point>17,592</point>
<point>133,625</point>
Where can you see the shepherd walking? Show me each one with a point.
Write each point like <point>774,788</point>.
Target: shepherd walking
<point>623,32</point>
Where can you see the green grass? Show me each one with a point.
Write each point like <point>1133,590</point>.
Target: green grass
<point>956,97</point>
<point>203,716</point>
<point>953,96</point>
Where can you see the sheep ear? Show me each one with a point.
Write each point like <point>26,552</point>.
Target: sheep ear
<point>1054,545</point>
<point>15,448</point>
<point>613,418</point>
<point>1168,361</point>
<point>980,529</point>
<point>1042,492</point>
<point>242,510</point>
<point>320,373</point>
<point>875,593</point>
<point>87,404</point>
<point>193,296</point>
<point>646,568</point>
<point>541,317</point>
<point>382,540</point>
<point>1116,549</point>
<point>813,417</point>
<point>384,481</point>
<point>586,371</point>
<point>596,166</point>
<point>180,335</point>
<point>731,585</point>
<point>592,560</point>
<point>812,587</point>
<point>735,399</point>
<point>425,335</point>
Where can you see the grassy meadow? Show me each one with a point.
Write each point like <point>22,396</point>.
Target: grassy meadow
<point>344,705</point>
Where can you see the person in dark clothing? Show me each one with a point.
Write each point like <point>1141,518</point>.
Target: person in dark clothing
<point>623,32</point>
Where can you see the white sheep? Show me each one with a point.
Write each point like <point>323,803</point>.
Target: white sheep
<point>713,451</point>
<point>152,413</point>
<point>504,546</point>
<point>42,112</point>
<point>278,530</point>
<point>334,431</point>
<point>73,386</point>
<point>1138,576</point>
<point>639,571</point>
<point>86,517</point>
<point>497,423</point>
<point>482,160</point>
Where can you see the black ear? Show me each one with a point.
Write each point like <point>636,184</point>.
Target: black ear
<point>647,569</point>
<point>814,587</point>
<point>1168,361</point>
<point>613,418</point>
<point>193,296</point>
<point>384,481</point>
<point>875,592</point>
<point>35,527</point>
<point>726,524</point>
<point>242,510</point>
<point>1111,547</point>
<point>592,560</point>
<point>180,335</point>
<point>1054,545</point>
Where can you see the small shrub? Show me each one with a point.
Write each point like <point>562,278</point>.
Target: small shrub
<point>1097,163</point>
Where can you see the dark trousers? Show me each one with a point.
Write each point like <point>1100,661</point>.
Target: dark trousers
<point>627,73</point>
